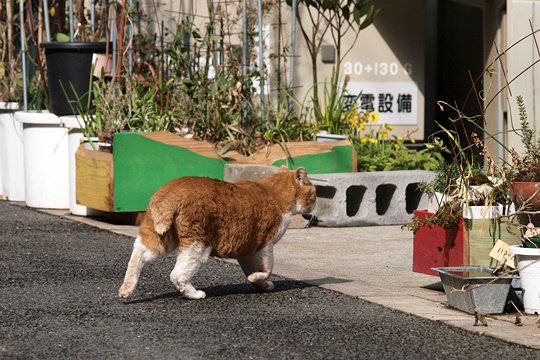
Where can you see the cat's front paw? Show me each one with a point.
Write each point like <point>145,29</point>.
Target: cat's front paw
<point>126,290</point>
<point>195,295</point>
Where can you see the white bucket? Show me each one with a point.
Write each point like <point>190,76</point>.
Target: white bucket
<point>529,273</point>
<point>11,158</point>
<point>45,160</point>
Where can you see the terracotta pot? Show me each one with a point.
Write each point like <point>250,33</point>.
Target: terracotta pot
<point>528,192</point>
<point>525,191</point>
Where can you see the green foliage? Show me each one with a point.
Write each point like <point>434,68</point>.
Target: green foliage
<point>36,97</point>
<point>526,168</point>
<point>378,150</point>
<point>337,108</point>
<point>361,12</point>
<point>394,156</point>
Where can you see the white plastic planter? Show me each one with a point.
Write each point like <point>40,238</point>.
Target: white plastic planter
<point>324,136</point>
<point>11,158</point>
<point>435,201</point>
<point>482,212</point>
<point>46,165</point>
<point>528,261</point>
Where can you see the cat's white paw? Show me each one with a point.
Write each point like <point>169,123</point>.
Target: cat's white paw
<point>257,277</point>
<point>195,295</point>
<point>126,290</point>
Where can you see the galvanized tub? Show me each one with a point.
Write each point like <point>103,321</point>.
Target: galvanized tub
<point>474,289</point>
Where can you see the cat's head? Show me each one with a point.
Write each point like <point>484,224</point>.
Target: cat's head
<point>305,194</point>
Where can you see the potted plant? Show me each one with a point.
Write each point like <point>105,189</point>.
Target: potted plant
<point>475,200</point>
<point>70,59</point>
<point>525,174</point>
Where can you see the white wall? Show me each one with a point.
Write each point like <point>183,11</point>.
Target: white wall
<point>520,14</point>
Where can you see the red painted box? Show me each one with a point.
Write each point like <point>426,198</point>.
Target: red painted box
<point>436,247</point>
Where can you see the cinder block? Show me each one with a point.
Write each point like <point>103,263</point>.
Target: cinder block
<point>372,198</point>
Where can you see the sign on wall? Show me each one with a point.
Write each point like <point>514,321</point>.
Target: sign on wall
<point>395,101</point>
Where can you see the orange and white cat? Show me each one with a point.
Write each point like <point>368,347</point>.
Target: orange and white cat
<point>200,217</point>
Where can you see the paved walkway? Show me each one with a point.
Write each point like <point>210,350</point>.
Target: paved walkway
<point>372,263</point>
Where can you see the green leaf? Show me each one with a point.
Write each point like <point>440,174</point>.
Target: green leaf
<point>61,37</point>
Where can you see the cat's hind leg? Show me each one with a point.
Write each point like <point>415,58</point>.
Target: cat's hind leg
<point>258,267</point>
<point>189,259</point>
<point>139,256</point>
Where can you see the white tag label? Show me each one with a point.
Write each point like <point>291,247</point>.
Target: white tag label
<point>102,64</point>
<point>501,251</point>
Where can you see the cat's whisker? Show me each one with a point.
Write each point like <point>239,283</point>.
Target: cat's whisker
<point>322,181</point>
<point>312,221</point>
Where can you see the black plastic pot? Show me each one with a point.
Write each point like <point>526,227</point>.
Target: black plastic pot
<point>69,65</point>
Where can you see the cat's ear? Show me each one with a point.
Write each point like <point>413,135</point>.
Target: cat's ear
<point>301,175</point>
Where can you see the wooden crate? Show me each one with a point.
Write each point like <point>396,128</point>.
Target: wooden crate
<point>436,247</point>
<point>142,162</point>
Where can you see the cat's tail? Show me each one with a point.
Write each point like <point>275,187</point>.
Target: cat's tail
<point>162,217</point>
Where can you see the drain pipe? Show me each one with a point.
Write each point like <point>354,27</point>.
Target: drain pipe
<point>261,60</point>
<point>23,51</point>
<point>71,32</point>
<point>129,31</point>
<point>245,43</point>
<point>293,52</point>
<point>293,44</point>
<point>46,20</point>
<point>93,18</point>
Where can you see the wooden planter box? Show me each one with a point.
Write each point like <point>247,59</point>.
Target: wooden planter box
<point>142,162</point>
<point>435,247</point>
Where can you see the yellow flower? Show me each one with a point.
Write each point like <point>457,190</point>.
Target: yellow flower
<point>372,141</point>
<point>362,126</point>
<point>389,127</point>
<point>375,116</point>
<point>412,140</point>
<point>384,133</point>
<point>399,138</point>
<point>366,117</point>
<point>363,140</point>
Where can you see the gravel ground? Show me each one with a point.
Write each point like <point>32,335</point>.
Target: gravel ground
<point>58,299</point>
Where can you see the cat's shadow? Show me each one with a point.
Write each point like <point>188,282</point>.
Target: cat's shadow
<point>281,285</point>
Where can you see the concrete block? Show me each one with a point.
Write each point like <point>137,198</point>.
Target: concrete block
<point>373,198</point>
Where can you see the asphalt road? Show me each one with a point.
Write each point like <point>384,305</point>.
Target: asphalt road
<point>58,299</point>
